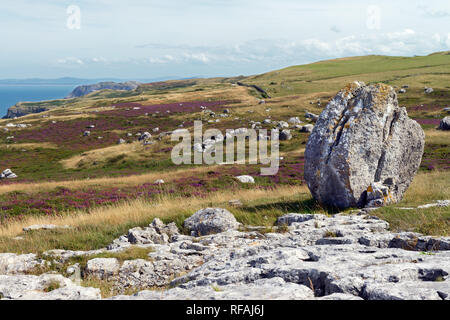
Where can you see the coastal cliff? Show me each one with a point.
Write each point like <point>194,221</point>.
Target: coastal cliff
<point>83,90</point>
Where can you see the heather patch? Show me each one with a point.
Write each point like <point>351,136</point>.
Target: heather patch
<point>434,122</point>
<point>17,205</point>
<point>136,109</point>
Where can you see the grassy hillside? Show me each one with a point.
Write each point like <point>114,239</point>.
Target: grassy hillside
<point>96,185</point>
<point>325,76</point>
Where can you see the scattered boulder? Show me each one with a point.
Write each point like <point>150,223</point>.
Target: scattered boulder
<point>294,120</point>
<point>362,137</point>
<point>235,203</point>
<point>307,128</point>
<point>145,136</point>
<point>7,174</point>
<point>285,135</point>
<point>283,124</point>
<point>159,181</point>
<point>245,179</point>
<point>86,134</point>
<point>35,227</point>
<point>121,141</point>
<point>210,221</point>
<point>428,90</point>
<point>402,91</point>
<point>312,116</point>
<point>156,233</point>
<point>445,124</point>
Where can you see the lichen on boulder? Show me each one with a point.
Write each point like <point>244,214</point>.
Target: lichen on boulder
<point>363,137</point>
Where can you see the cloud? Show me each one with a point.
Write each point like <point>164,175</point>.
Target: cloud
<point>70,61</point>
<point>274,53</point>
<point>335,29</point>
<point>433,13</point>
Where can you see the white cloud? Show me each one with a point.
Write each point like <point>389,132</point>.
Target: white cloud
<point>70,61</point>
<point>428,12</point>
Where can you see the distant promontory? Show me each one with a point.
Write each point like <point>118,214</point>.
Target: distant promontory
<point>83,90</point>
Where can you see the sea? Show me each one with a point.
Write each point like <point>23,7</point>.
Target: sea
<point>11,94</point>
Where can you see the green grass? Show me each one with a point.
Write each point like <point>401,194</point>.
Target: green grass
<point>433,221</point>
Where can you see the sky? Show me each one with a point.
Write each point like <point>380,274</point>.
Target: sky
<point>146,39</point>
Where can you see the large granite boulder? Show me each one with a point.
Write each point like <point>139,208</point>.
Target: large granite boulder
<point>362,140</point>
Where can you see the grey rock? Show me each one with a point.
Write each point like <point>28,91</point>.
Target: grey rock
<point>262,289</point>
<point>294,120</point>
<point>311,116</point>
<point>445,124</point>
<point>285,135</point>
<point>282,125</point>
<point>361,137</point>
<point>156,233</point>
<point>11,263</point>
<point>30,287</point>
<point>7,174</point>
<point>145,136</point>
<point>210,220</point>
<point>290,218</point>
<point>102,268</point>
<point>307,128</point>
<point>35,227</point>
<point>402,291</point>
<point>245,179</point>
<point>438,203</point>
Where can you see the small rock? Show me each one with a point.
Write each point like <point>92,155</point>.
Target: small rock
<point>210,221</point>
<point>102,268</point>
<point>235,203</point>
<point>307,128</point>
<point>44,227</point>
<point>7,174</point>
<point>245,179</point>
<point>445,124</point>
<point>285,135</point>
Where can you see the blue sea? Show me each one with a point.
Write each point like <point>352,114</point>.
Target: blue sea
<point>11,94</point>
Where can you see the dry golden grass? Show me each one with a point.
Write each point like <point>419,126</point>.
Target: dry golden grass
<point>28,146</point>
<point>105,181</point>
<point>132,151</point>
<point>427,187</point>
<point>134,212</point>
<point>435,136</point>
